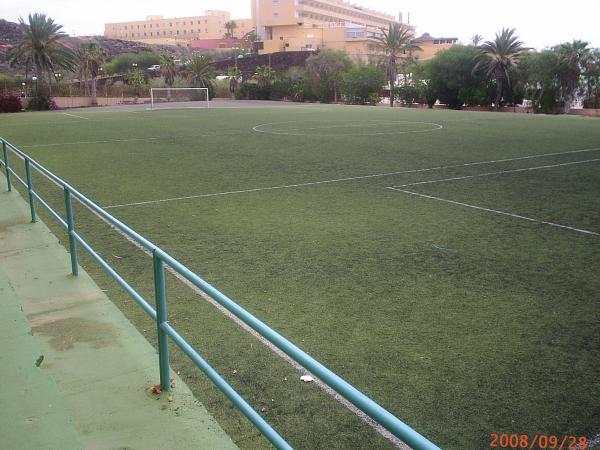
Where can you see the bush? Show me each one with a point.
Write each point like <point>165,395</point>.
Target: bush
<point>251,91</point>
<point>280,89</point>
<point>41,103</point>
<point>221,88</point>
<point>10,103</point>
<point>362,84</point>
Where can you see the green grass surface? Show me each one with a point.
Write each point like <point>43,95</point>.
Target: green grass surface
<point>461,322</point>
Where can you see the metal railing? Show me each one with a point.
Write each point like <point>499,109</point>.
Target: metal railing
<point>165,331</point>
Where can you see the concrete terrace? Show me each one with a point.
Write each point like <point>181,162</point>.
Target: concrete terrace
<point>75,371</point>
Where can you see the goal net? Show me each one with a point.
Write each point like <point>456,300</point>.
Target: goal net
<point>161,98</point>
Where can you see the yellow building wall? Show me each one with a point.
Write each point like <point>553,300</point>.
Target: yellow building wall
<point>155,28</point>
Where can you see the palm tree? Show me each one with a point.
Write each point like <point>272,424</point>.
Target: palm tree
<point>230,26</point>
<point>395,41</point>
<point>91,56</point>
<point>168,69</point>
<point>476,40</point>
<point>497,57</point>
<point>40,47</point>
<point>201,71</point>
<point>234,75</point>
<point>264,76</point>
<point>573,59</point>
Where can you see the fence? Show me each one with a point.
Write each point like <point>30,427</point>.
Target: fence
<point>160,260</point>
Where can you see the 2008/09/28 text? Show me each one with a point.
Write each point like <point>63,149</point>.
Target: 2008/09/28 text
<point>538,441</point>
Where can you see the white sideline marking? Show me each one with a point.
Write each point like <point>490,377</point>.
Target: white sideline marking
<point>375,123</point>
<point>502,213</point>
<point>497,173</point>
<point>75,115</point>
<point>60,144</point>
<point>338,180</point>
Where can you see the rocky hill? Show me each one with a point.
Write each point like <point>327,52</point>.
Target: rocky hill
<point>10,35</point>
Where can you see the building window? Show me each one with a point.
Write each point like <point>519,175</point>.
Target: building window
<point>198,22</point>
<point>436,42</point>
<point>178,32</point>
<point>144,25</point>
<point>170,24</point>
<point>125,26</point>
<point>150,25</point>
<point>275,14</point>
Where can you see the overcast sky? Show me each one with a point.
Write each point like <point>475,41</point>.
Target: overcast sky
<point>539,23</point>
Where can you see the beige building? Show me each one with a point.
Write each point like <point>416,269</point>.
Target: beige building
<point>286,25</point>
<point>430,45</point>
<point>177,30</point>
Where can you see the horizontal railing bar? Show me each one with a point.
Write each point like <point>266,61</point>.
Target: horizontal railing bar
<point>90,204</point>
<point>50,210</point>
<point>19,179</point>
<point>118,278</point>
<point>236,398</point>
<point>342,387</point>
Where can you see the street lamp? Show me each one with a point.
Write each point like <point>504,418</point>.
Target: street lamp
<point>23,89</point>
<point>36,85</point>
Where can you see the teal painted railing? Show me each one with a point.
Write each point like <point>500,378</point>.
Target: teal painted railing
<point>165,331</point>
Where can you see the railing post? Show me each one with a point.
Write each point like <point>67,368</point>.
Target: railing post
<point>6,166</point>
<point>30,190</point>
<point>161,317</point>
<point>71,231</point>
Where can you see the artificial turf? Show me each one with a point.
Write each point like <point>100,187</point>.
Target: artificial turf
<point>460,321</point>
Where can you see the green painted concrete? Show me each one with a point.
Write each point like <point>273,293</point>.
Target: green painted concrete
<point>91,389</point>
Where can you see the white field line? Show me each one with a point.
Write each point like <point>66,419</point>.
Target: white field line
<point>301,369</point>
<point>256,128</point>
<point>494,211</point>
<point>75,115</point>
<point>497,173</point>
<point>338,180</point>
<point>60,144</point>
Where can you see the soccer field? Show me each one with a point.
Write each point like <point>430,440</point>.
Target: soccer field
<point>445,263</point>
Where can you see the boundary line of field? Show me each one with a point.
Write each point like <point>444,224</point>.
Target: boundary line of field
<point>105,141</point>
<point>494,211</point>
<point>355,178</point>
<point>525,169</point>
<point>75,115</point>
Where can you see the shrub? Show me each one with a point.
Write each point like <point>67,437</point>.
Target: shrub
<point>10,103</point>
<point>41,103</point>
<point>251,91</point>
<point>362,84</point>
<point>280,89</point>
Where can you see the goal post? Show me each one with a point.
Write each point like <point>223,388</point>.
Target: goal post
<point>179,98</point>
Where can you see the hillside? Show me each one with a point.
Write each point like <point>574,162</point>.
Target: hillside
<point>10,34</point>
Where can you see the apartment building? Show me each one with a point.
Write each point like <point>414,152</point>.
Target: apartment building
<point>177,30</point>
<point>431,45</point>
<point>286,25</point>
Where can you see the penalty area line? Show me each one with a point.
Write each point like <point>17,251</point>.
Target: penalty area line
<point>494,211</point>
<point>488,174</point>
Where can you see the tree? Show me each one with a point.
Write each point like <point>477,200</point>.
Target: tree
<point>573,59</point>
<point>363,84</point>
<point>264,76</point>
<point>234,74</point>
<point>230,26</point>
<point>451,78</point>
<point>476,40</point>
<point>201,71</point>
<point>497,57</point>
<point>91,56</point>
<point>168,69</point>
<point>536,75</point>
<point>326,68</point>
<point>40,47</point>
<point>397,40</point>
